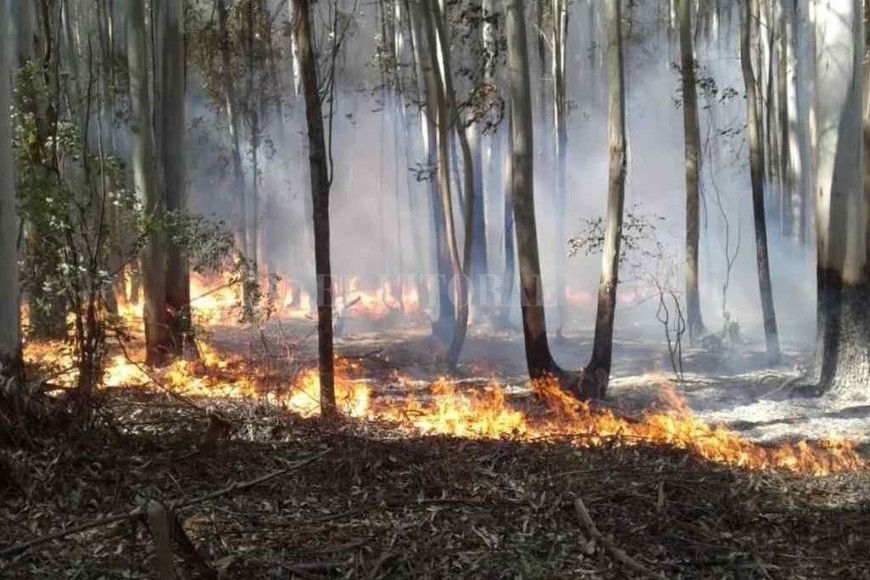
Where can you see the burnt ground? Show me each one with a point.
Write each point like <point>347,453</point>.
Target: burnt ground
<point>383,504</point>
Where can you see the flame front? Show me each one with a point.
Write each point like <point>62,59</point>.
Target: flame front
<point>472,412</point>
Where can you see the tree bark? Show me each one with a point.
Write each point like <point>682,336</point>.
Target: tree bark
<point>597,373</point>
<point>538,357</point>
<point>694,319</point>
<point>145,180</point>
<point>320,184</point>
<point>172,129</point>
<point>756,164</point>
<point>841,204</point>
<point>10,324</point>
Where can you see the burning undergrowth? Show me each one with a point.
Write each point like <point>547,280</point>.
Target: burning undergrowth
<point>428,479</point>
<point>476,409</point>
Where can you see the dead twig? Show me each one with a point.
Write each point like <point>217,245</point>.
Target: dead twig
<point>609,546</point>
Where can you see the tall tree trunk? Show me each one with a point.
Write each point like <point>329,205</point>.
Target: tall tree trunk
<point>239,189</point>
<point>479,266</point>
<point>694,318</point>
<point>560,110</point>
<point>785,165</point>
<point>756,163</point>
<point>538,357</point>
<point>597,373</point>
<point>10,325</point>
<point>454,118</point>
<point>442,327</point>
<point>253,109</point>
<point>171,131</point>
<point>320,184</point>
<point>448,115</point>
<point>145,180</point>
<point>796,126</point>
<point>841,204</point>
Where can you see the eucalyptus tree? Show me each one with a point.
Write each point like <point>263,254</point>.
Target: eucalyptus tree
<point>596,376</point>
<point>559,47</point>
<point>171,130</point>
<point>539,359</point>
<point>756,164</point>
<point>143,160</point>
<point>232,108</point>
<point>693,166</point>
<point>428,83</point>
<point>320,186</point>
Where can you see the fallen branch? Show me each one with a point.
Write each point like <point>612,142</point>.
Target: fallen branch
<point>609,546</point>
<point>142,511</point>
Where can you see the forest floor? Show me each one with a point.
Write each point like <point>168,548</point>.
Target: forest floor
<point>376,501</point>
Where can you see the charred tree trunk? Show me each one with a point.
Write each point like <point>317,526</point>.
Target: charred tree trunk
<point>597,373</point>
<point>143,159</point>
<point>842,212</point>
<point>694,319</point>
<point>320,184</point>
<point>756,163</point>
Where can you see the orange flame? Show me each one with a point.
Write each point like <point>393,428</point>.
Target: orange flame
<point>471,412</point>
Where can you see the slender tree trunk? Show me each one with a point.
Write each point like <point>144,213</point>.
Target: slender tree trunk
<point>10,324</point>
<point>756,163</point>
<point>472,192</point>
<point>560,109</point>
<point>841,203</point>
<point>171,115</point>
<point>795,125</point>
<point>447,116</point>
<point>442,327</point>
<point>785,169</point>
<point>694,318</point>
<point>253,110</point>
<point>597,373</point>
<point>239,189</point>
<point>320,184</point>
<point>145,180</point>
<point>538,357</point>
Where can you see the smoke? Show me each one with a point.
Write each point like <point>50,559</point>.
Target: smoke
<point>380,212</point>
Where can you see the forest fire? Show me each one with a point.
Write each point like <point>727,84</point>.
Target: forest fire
<point>486,412</point>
